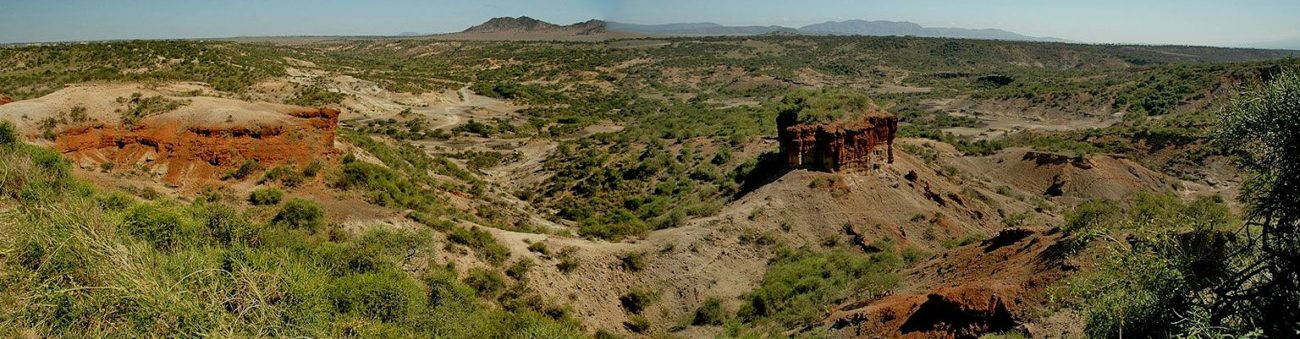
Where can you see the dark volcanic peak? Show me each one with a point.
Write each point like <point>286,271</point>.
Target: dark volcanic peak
<point>588,27</point>
<point>527,24</point>
<point>508,24</point>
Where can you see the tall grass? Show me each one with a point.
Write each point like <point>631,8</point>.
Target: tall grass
<point>79,262</point>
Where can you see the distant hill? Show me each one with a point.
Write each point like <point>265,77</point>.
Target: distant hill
<point>527,24</point>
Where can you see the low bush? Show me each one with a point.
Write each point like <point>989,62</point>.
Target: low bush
<point>285,175</point>
<point>568,259</point>
<point>488,283</point>
<point>632,261</point>
<point>301,214</point>
<point>165,225</point>
<point>266,196</point>
<point>482,242</point>
<point>709,313</point>
<point>243,171</point>
<point>637,324</point>
<point>539,248</point>
<point>384,296</point>
<point>637,299</point>
<point>8,133</point>
<point>799,284</point>
<point>519,270</point>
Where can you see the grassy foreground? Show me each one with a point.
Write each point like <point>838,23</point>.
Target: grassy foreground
<point>80,262</point>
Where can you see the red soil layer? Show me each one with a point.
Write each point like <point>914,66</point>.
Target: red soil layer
<point>202,152</point>
<point>5,100</point>
<point>978,289</point>
<point>836,146</point>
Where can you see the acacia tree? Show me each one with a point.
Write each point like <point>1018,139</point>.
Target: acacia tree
<point>1263,130</point>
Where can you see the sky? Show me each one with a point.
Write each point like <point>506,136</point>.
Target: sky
<point>1192,22</point>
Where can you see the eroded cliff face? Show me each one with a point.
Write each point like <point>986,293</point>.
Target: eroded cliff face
<point>837,146</point>
<point>192,144</point>
<point>186,153</point>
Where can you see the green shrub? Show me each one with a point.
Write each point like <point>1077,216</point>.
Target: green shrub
<point>482,242</point>
<point>568,260</point>
<point>32,173</point>
<point>632,261</point>
<point>165,226</point>
<point>226,225</point>
<point>799,284</point>
<point>316,96</point>
<point>1146,287</point>
<point>381,296</point>
<point>519,270</point>
<point>246,168</point>
<point>143,107</point>
<point>383,248</point>
<point>615,226</point>
<point>913,254</point>
<point>637,324</point>
<point>963,240</point>
<point>8,133</point>
<point>539,248</point>
<point>301,214</point>
<point>286,175</point>
<point>709,313</point>
<point>637,299</point>
<point>313,169</point>
<point>488,283</point>
<point>265,196</point>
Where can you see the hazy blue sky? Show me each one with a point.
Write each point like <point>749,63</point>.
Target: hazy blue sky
<point>1203,22</point>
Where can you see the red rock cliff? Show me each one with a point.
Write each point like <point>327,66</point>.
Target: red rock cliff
<point>194,153</point>
<point>838,145</point>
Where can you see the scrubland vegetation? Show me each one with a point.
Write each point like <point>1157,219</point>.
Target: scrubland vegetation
<point>79,261</point>
<point>1169,268</point>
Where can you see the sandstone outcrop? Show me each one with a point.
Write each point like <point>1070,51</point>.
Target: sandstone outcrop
<point>839,145</point>
<point>193,144</point>
<point>194,152</point>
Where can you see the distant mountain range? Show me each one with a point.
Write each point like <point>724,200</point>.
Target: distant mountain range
<point>851,27</point>
<point>697,29</point>
<point>1291,44</point>
<point>903,28</point>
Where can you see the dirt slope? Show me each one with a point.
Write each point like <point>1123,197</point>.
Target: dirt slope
<point>1069,178</point>
<point>726,255</point>
<point>989,287</point>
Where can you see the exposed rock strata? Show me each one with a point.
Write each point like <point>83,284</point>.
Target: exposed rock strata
<point>838,145</point>
<point>182,151</point>
<point>192,144</point>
